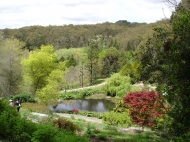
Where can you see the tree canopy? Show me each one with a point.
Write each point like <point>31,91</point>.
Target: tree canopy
<point>165,59</point>
<point>42,71</point>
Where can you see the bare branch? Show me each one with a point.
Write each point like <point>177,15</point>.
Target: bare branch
<point>171,3</point>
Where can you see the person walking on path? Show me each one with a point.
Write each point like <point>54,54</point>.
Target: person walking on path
<point>17,103</point>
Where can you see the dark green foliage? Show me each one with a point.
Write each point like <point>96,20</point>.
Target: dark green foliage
<point>102,137</point>
<point>91,63</point>
<point>89,132</point>
<point>6,108</point>
<point>24,97</point>
<point>71,61</point>
<point>166,61</point>
<point>45,132</point>
<point>4,126</point>
<point>110,61</point>
<point>62,59</point>
<point>183,138</point>
<point>21,129</point>
<point>66,125</point>
<point>15,128</point>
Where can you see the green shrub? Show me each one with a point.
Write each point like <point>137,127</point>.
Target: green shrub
<point>4,126</point>
<point>163,124</point>
<point>22,129</point>
<point>121,107</point>
<point>5,107</point>
<point>110,127</point>
<point>45,133</point>
<point>89,131</point>
<point>16,129</point>
<point>117,85</point>
<point>183,138</point>
<point>67,95</point>
<point>117,119</point>
<point>24,97</point>
<point>65,124</point>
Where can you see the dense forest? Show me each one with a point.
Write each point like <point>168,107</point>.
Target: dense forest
<point>43,60</point>
<point>123,34</point>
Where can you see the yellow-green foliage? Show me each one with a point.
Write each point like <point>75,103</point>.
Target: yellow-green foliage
<point>50,90</point>
<point>116,118</point>
<point>117,85</point>
<point>43,73</point>
<point>119,116</point>
<point>131,69</point>
<point>120,107</point>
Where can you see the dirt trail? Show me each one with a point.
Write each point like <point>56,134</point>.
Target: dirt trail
<point>94,120</point>
<point>83,88</point>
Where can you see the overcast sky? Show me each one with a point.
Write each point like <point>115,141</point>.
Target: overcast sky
<point>20,13</point>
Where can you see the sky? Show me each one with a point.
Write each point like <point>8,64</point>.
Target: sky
<point>21,13</point>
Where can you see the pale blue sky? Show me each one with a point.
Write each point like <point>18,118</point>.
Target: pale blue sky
<point>20,13</point>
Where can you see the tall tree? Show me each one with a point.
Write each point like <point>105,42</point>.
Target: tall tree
<point>110,61</point>
<point>39,66</point>
<point>92,61</point>
<point>71,61</point>
<point>10,68</point>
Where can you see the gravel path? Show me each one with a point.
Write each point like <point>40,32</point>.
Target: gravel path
<point>95,120</point>
<point>83,88</point>
<point>86,118</point>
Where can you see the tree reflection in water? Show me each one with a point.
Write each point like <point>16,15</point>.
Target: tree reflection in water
<point>95,105</point>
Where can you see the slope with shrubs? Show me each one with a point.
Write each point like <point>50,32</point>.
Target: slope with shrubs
<point>14,128</point>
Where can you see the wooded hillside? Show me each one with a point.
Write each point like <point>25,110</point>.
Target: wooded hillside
<point>122,34</point>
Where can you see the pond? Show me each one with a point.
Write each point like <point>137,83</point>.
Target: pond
<point>95,105</point>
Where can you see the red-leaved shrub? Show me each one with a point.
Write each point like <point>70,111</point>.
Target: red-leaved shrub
<point>74,110</point>
<point>145,106</point>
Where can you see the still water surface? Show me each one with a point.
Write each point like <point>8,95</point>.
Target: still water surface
<point>95,105</point>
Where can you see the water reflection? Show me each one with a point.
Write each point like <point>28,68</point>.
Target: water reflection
<point>96,105</point>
